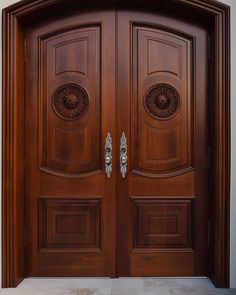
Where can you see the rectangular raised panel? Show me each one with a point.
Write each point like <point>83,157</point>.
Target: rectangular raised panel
<point>163,224</point>
<point>169,148</point>
<point>69,224</point>
<point>159,53</point>
<point>70,102</point>
<point>76,61</point>
<point>163,102</point>
<point>64,154</point>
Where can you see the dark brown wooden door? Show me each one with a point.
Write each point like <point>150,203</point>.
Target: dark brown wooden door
<point>70,92</point>
<point>162,109</point>
<point>142,78</point>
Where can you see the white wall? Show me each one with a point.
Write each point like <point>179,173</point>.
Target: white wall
<point>232,3</point>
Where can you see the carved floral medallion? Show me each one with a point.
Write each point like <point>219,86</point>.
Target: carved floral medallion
<point>162,101</point>
<point>70,101</point>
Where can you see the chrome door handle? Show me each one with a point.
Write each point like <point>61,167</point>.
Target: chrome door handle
<point>108,155</point>
<point>123,155</point>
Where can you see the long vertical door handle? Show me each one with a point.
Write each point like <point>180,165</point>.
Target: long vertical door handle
<point>108,155</point>
<point>123,155</point>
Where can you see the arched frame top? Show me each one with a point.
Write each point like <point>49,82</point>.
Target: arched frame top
<point>213,14</point>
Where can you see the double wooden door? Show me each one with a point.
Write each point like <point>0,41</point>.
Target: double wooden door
<point>116,146</point>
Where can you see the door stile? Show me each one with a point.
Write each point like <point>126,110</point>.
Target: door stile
<point>123,125</point>
<point>163,198</point>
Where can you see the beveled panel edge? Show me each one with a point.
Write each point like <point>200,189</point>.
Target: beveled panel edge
<point>190,201</point>
<point>163,198</point>
<point>70,175</point>
<point>82,200</point>
<point>190,40</point>
<point>41,104</point>
<point>163,174</point>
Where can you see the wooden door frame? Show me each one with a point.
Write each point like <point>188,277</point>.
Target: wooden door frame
<point>15,18</point>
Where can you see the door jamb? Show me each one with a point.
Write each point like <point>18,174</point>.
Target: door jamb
<point>14,19</point>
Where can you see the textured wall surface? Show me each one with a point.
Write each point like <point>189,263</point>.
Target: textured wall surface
<point>232,3</point>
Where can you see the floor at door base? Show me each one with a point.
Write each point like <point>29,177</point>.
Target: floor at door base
<point>107,286</point>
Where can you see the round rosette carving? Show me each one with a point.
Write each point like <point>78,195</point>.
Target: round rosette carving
<point>162,101</point>
<point>70,101</point>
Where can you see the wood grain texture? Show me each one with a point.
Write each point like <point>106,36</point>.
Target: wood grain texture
<point>69,98</point>
<point>69,224</point>
<point>147,263</point>
<point>163,141</point>
<point>162,224</point>
<point>15,20</point>
<point>13,153</point>
<point>168,156</point>
<point>66,185</point>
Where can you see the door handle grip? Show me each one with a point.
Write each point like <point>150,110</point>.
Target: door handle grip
<point>123,155</point>
<point>108,155</point>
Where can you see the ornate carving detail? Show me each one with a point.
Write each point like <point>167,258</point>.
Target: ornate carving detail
<point>70,101</point>
<point>162,101</point>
